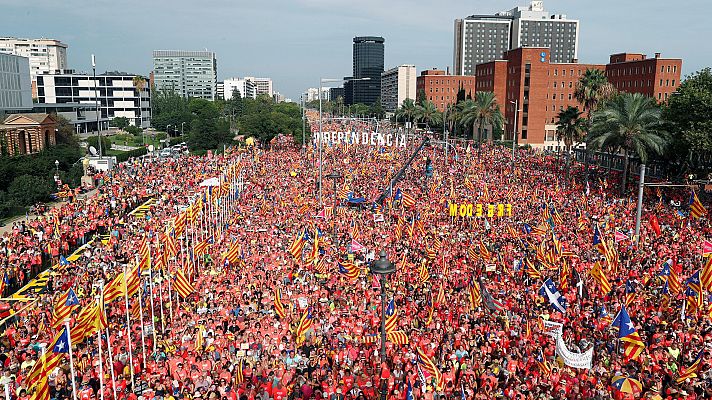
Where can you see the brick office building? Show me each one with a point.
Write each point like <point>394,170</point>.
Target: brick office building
<point>635,73</point>
<point>542,88</point>
<point>441,88</point>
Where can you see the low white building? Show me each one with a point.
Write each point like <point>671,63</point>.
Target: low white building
<point>313,94</point>
<point>118,94</point>
<point>262,85</point>
<point>245,87</point>
<point>397,84</point>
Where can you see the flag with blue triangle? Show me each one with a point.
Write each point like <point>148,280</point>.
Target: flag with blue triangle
<point>61,345</point>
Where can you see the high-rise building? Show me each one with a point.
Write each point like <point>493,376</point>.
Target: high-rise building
<point>45,55</point>
<point>368,54</point>
<point>188,73</point>
<point>541,89</point>
<point>484,38</point>
<point>245,87</point>
<point>118,94</point>
<point>262,85</point>
<point>397,84</point>
<point>437,86</point>
<point>15,87</point>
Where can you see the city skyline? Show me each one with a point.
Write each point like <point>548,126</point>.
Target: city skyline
<point>316,40</point>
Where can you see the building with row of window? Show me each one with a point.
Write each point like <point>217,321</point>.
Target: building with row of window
<point>484,38</point>
<point>118,94</point>
<point>15,86</point>
<point>442,88</point>
<point>525,78</point>
<point>397,84</point>
<point>188,73</point>
<point>44,55</point>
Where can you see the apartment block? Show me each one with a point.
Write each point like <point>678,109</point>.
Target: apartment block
<point>441,88</point>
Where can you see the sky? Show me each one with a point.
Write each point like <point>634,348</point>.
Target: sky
<point>297,42</point>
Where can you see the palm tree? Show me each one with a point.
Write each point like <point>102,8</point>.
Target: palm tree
<point>139,83</point>
<point>407,111</point>
<point>570,129</point>
<point>592,89</point>
<point>428,113</point>
<point>630,122</point>
<point>453,117</point>
<point>481,111</point>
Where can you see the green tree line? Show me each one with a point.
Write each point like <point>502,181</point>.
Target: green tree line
<point>211,124</point>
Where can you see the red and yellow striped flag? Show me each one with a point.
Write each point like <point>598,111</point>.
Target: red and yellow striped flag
<point>182,285</point>
<point>278,305</point>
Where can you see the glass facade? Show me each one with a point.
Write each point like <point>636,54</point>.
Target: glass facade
<point>368,53</point>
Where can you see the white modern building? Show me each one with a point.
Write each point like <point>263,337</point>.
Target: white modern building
<point>480,39</point>
<point>188,73</point>
<point>45,55</point>
<point>245,87</point>
<point>262,85</point>
<point>397,84</point>
<point>118,94</point>
<point>15,86</point>
<point>313,94</point>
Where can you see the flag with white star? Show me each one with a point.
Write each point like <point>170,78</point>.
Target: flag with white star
<point>61,345</point>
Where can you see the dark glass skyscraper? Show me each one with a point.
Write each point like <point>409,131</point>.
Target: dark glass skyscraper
<point>368,63</point>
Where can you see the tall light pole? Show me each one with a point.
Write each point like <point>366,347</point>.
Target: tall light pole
<point>514,133</point>
<point>304,122</point>
<point>445,132</point>
<point>334,175</point>
<point>96,98</point>
<point>182,125</point>
<point>383,267</point>
<point>321,129</point>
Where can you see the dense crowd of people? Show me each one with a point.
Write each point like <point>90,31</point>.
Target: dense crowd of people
<point>297,314</point>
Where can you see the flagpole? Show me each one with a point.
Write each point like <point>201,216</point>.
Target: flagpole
<point>128,325</point>
<point>153,317</point>
<point>143,333</point>
<point>170,296</point>
<point>71,359</point>
<point>98,339</point>
<point>111,363</point>
<point>160,296</point>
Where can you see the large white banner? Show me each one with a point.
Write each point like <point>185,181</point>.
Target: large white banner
<point>575,360</point>
<point>368,138</point>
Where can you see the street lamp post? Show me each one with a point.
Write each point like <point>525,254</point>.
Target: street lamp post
<point>321,129</point>
<point>304,123</point>
<point>514,133</point>
<point>182,126</point>
<point>445,132</point>
<point>334,175</point>
<point>56,173</point>
<point>383,267</point>
<point>96,98</point>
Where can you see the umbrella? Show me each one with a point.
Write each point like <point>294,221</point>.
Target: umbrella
<point>626,384</point>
